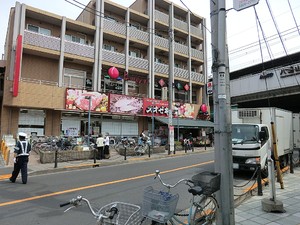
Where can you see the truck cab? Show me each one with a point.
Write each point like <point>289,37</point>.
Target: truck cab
<point>250,144</point>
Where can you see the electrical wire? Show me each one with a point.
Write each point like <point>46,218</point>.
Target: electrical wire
<point>293,15</point>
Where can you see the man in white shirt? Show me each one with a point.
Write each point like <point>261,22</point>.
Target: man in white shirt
<point>100,146</point>
<point>106,146</point>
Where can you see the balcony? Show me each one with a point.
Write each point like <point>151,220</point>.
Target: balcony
<point>180,25</point>
<point>180,48</point>
<point>139,34</point>
<point>79,49</point>
<point>197,54</point>
<point>161,17</point>
<point>53,43</point>
<point>112,26</point>
<point>196,31</point>
<point>42,41</point>
<point>113,57</point>
<point>178,73</point>
<point>138,63</point>
<point>161,42</point>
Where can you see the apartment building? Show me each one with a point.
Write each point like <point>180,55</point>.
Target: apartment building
<point>57,69</point>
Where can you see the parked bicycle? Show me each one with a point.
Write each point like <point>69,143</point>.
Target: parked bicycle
<point>160,206</point>
<point>125,142</point>
<point>143,146</point>
<point>115,213</point>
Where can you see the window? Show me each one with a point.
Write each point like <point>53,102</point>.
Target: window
<point>75,39</point>
<point>110,18</point>
<point>74,78</point>
<point>137,26</point>
<point>135,54</point>
<point>109,47</point>
<point>39,30</point>
<point>157,60</point>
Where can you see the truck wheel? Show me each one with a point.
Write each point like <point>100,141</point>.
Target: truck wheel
<point>264,171</point>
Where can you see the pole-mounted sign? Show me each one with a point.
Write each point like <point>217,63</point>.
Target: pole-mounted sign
<point>239,5</point>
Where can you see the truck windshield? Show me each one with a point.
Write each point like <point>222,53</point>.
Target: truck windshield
<point>244,133</point>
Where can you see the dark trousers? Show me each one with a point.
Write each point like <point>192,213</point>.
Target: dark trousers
<point>21,164</point>
<point>100,152</point>
<point>106,151</point>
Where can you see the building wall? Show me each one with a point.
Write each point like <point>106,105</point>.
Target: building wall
<point>52,123</point>
<point>9,121</point>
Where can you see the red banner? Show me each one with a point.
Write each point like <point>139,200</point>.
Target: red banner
<point>160,107</point>
<point>17,66</point>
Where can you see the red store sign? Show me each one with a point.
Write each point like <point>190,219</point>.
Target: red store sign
<point>160,107</point>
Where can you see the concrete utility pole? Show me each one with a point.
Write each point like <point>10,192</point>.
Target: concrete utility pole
<point>222,115</point>
<point>171,77</point>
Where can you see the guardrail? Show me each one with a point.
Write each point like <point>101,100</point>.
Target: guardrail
<point>5,151</point>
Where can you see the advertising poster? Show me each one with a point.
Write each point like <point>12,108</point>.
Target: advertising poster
<point>79,100</point>
<point>125,104</point>
<point>184,110</point>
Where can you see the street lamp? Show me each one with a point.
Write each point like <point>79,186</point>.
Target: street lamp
<point>152,109</point>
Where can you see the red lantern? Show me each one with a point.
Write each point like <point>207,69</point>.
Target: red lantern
<point>113,72</point>
<point>203,108</point>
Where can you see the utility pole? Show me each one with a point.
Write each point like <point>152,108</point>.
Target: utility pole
<point>222,113</point>
<point>171,77</point>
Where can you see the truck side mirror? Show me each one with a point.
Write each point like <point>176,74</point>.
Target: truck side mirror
<point>262,135</point>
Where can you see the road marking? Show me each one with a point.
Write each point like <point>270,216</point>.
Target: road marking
<point>98,185</point>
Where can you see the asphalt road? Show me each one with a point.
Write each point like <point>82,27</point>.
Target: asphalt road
<point>38,201</point>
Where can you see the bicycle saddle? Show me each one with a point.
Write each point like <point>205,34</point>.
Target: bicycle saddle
<point>196,190</point>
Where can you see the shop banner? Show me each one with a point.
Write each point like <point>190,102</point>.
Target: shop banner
<point>79,100</point>
<point>160,107</point>
<point>125,104</point>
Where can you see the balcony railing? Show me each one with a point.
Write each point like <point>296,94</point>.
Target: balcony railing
<point>139,35</point>
<point>183,49</point>
<point>196,31</point>
<point>138,63</point>
<point>111,26</point>
<point>40,40</point>
<point>79,49</point>
<point>178,72</point>
<point>161,42</point>
<point>180,25</point>
<point>161,17</point>
<point>197,53</point>
<point>113,57</point>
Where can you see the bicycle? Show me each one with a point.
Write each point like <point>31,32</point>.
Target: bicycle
<point>143,147</point>
<point>159,206</point>
<point>115,213</point>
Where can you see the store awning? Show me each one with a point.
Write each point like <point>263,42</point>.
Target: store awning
<point>186,123</point>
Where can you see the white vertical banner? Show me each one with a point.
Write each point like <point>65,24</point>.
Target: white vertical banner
<point>171,133</point>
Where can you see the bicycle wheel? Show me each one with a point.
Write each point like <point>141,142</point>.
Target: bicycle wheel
<point>147,148</point>
<point>138,150</point>
<point>205,211</point>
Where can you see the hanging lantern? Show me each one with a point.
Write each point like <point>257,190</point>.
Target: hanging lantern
<point>203,108</point>
<point>161,82</point>
<point>119,78</point>
<point>113,72</point>
<point>106,76</point>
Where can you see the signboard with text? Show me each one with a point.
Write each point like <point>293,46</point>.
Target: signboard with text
<point>239,5</point>
<point>160,107</point>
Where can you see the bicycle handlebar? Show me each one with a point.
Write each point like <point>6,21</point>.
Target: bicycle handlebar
<point>169,186</point>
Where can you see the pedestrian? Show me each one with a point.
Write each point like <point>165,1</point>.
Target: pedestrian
<point>191,141</point>
<point>106,146</point>
<point>100,146</point>
<point>21,158</point>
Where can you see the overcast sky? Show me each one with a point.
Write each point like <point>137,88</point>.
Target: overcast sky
<point>242,29</point>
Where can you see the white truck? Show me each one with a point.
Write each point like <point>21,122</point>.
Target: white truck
<point>252,136</point>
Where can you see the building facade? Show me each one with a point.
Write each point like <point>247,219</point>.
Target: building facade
<point>50,60</point>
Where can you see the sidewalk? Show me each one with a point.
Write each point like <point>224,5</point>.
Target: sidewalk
<point>248,210</point>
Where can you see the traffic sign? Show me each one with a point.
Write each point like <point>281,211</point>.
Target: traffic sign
<point>239,5</point>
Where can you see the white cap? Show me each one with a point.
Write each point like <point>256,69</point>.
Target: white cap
<point>22,134</point>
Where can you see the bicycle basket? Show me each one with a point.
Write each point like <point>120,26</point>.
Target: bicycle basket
<point>158,205</point>
<point>128,214</point>
<point>209,181</point>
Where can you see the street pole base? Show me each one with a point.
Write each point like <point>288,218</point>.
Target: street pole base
<point>269,205</point>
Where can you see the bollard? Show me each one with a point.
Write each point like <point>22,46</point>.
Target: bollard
<point>55,158</point>
<point>291,163</point>
<point>174,149</point>
<point>169,150</point>
<point>259,185</point>
<point>125,152</point>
